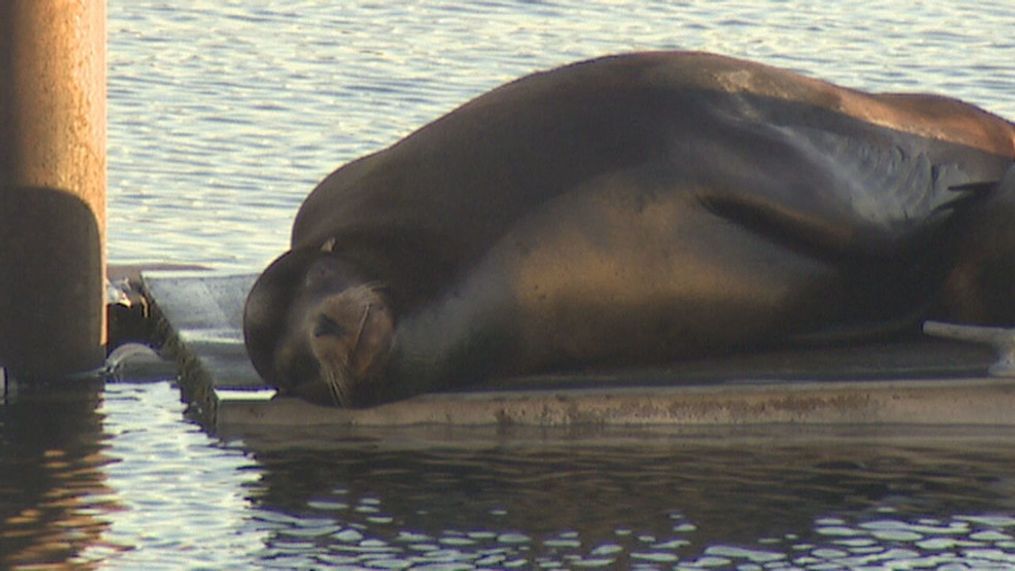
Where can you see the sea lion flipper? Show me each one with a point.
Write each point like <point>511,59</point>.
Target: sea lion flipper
<point>894,185</point>
<point>848,197</point>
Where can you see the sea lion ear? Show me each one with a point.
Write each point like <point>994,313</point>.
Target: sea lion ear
<point>328,245</point>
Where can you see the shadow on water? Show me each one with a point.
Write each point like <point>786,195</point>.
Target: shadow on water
<point>53,494</point>
<point>645,498</point>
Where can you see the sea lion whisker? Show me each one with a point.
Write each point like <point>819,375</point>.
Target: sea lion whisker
<point>362,325</point>
<point>329,380</point>
<point>337,377</point>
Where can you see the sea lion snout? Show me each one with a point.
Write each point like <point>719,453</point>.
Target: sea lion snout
<point>350,334</point>
<point>317,328</point>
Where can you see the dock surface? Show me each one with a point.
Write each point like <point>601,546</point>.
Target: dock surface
<point>921,382</point>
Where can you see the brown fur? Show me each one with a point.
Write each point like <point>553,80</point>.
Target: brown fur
<point>631,210</point>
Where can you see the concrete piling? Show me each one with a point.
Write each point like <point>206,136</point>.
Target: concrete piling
<point>52,186</point>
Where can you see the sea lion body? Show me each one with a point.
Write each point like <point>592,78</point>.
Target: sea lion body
<point>632,210</point>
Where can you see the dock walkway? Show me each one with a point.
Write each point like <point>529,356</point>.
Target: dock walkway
<point>925,382</point>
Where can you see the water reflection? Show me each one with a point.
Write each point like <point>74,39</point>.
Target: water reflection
<point>180,492</point>
<point>120,479</point>
<point>659,501</point>
<point>54,499</point>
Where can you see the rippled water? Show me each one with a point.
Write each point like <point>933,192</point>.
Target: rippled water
<point>223,115</point>
<point>117,478</point>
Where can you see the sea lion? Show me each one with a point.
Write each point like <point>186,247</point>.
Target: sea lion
<point>631,210</point>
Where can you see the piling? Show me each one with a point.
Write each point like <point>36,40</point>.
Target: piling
<point>52,186</point>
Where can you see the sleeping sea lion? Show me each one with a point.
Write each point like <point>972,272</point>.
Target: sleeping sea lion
<point>634,210</point>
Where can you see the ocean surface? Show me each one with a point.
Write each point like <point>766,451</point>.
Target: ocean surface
<point>222,117</point>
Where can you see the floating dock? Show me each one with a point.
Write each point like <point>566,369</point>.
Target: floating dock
<point>921,382</point>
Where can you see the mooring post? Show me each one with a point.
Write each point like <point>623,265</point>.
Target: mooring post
<point>52,186</point>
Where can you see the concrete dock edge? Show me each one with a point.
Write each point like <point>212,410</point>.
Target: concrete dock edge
<point>202,319</point>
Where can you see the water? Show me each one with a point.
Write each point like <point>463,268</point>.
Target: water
<point>223,115</point>
<point>116,478</point>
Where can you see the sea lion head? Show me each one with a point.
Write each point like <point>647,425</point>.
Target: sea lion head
<point>980,287</point>
<point>317,328</point>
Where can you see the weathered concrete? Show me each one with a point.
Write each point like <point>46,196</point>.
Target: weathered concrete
<point>963,402</point>
<point>52,185</point>
<point>923,382</point>
<point>796,437</point>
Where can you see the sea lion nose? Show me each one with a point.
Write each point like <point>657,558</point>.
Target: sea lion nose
<point>328,326</point>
